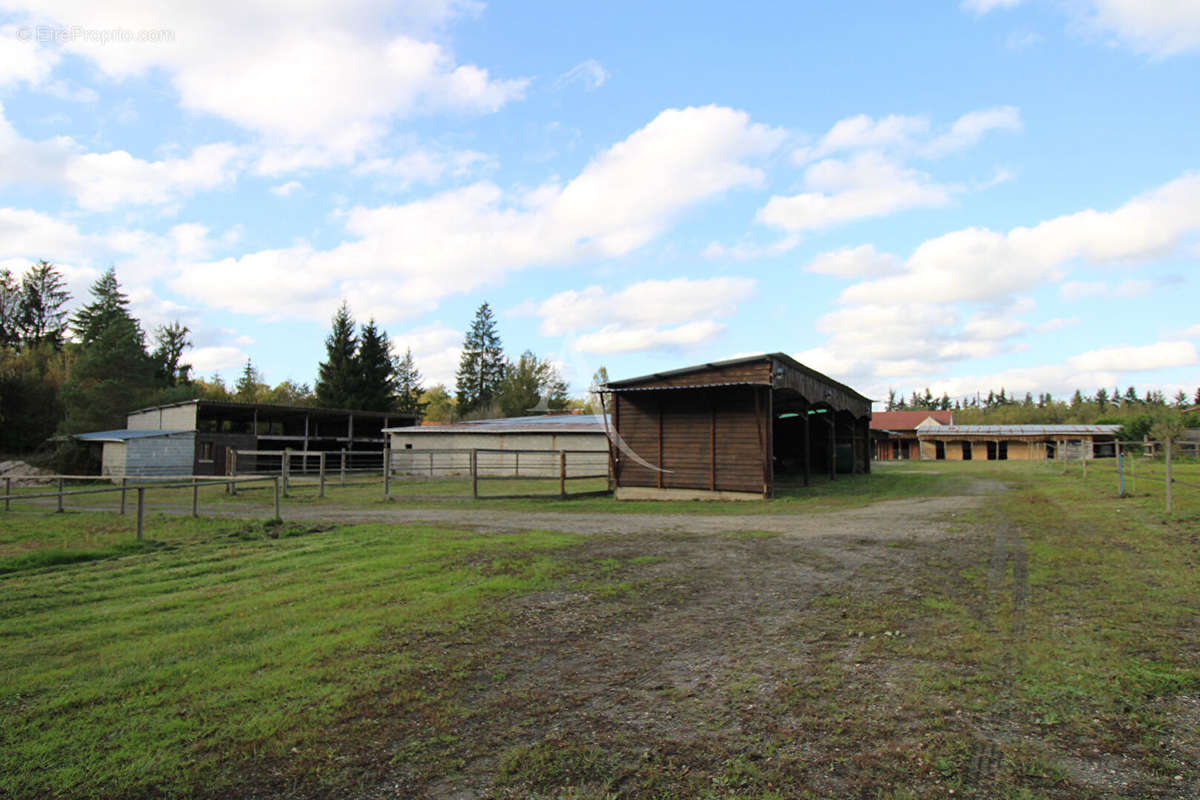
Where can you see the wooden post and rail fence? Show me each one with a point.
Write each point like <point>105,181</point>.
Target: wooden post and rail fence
<point>1126,465</point>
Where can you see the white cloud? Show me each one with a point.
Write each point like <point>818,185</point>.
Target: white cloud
<point>863,132</point>
<point>614,339</point>
<point>22,61</point>
<point>979,264</point>
<point>643,305</point>
<point>323,80</point>
<point>746,251</point>
<point>1158,28</point>
<point>867,185</point>
<point>1057,323</point>
<point>286,189</point>
<point>107,181</point>
<point>206,360</point>
<point>1081,290</point>
<point>1190,333</point>
<point>854,262</point>
<point>590,74</point>
<point>422,166</point>
<point>436,350</point>
<point>1161,355</point>
<point>405,258</point>
<point>968,129</point>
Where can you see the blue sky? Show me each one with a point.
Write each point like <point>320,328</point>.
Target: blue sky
<point>955,195</point>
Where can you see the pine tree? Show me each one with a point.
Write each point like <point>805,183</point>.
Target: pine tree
<point>891,401</point>
<point>374,370</point>
<point>109,304</point>
<point>408,386</point>
<point>1196,397</point>
<point>43,312</point>
<point>247,388</point>
<point>336,379</point>
<point>481,367</point>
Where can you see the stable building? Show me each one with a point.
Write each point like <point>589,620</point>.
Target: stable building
<point>894,433</point>
<point>1017,442</point>
<point>194,437</point>
<point>734,429</point>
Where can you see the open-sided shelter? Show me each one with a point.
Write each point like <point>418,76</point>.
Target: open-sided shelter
<point>733,429</point>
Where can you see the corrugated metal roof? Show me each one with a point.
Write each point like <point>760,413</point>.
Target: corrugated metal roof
<point>1016,430</point>
<point>550,423</point>
<point>623,389</point>
<point>123,435</point>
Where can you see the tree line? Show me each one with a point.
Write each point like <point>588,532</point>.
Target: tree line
<point>1137,413</point>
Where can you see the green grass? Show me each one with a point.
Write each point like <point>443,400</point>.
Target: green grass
<point>188,666</point>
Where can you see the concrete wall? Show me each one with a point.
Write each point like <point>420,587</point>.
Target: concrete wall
<point>153,456</point>
<point>112,459</point>
<point>175,418</point>
<point>408,458</point>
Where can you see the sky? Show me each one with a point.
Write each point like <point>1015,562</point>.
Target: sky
<point>961,196</point>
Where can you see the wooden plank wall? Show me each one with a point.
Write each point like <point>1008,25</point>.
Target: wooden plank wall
<point>689,423</point>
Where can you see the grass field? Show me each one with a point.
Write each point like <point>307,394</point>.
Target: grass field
<point>1017,633</point>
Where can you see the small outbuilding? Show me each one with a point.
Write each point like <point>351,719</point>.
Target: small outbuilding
<point>733,429</point>
<point>142,453</point>
<point>894,433</point>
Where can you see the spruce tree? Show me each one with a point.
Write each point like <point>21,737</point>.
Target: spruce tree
<point>43,311</point>
<point>247,388</point>
<point>481,367</point>
<point>336,379</point>
<point>109,304</point>
<point>171,340</point>
<point>375,370</point>
<point>408,386</point>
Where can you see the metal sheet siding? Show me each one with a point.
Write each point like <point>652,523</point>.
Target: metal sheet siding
<point>160,455</point>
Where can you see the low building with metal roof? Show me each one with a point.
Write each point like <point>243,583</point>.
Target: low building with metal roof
<point>894,433</point>
<point>142,453</point>
<point>1017,442</point>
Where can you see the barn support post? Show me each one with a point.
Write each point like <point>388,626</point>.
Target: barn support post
<point>7,493</point>
<point>807,445</point>
<point>612,462</point>
<point>758,428</point>
<point>321,465</point>
<point>275,480</point>
<point>1120,472</point>
<point>306,437</point>
<point>343,468</point>
<point>832,445</point>
<point>1170,480</point>
<point>141,510</point>
<point>387,469</point>
<point>475,473</point>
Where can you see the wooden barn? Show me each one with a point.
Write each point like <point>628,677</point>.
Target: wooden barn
<point>733,429</point>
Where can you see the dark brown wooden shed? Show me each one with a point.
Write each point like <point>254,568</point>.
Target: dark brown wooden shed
<point>736,429</point>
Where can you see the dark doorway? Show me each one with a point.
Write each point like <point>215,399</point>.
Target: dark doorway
<point>966,451</point>
<point>939,451</point>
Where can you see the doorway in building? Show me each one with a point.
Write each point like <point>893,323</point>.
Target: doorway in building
<point>966,451</point>
<point>939,451</point>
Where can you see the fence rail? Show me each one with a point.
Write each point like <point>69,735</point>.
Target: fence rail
<point>1146,450</point>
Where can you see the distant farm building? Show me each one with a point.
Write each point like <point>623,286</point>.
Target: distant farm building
<point>894,433</point>
<point>1016,442</point>
<point>525,446</point>
<point>193,437</point>
<point>735,429</point>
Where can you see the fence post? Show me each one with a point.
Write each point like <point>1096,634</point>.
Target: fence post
<point>1083,460</point>
<point>287,465</point>
<point>562,474</point>
<point>387,469</point>
<point>517,464</point>
<point>7,493</point>
<point>1170,446</point>
<point>275,479</point>
<point>343,466</point>
<point>195,497</point>
<point>475,473</point>
<point>322,465</point>
<point>232,487</point>
<point>60,491</point>
<point>141,512</point>
<point>123,479</point>
<point>1120,471</point>
<point>1066,457</point>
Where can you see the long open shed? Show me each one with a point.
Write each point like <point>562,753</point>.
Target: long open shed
<point>733,429</point>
